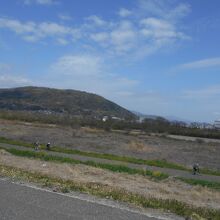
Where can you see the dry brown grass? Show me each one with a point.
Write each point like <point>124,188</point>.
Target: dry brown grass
<point>86,132</point>
<point>138,146</point>
<point>135,132</point>
<point>92,130</point>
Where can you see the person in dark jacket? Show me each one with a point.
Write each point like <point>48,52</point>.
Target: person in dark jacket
<point>48,146</point>
<point>195,168</point>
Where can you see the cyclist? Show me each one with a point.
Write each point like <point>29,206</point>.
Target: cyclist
<point>48,146</point>
<point>195,168</point>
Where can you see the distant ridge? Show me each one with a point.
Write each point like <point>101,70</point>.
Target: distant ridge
<point>168,118</point>
<point>145,116</point>
<point>51,100</point>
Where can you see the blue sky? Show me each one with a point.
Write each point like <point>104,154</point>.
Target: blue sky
<point>154,56</point>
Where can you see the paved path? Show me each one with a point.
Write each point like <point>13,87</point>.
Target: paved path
<point>19,202</point>
<point>171,172</point>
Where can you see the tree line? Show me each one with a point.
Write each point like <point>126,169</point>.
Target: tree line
<point>158,125</point>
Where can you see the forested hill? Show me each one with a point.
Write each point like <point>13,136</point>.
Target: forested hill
<point>71,102</point>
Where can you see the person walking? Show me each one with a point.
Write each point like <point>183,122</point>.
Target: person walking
<point>36,145</point>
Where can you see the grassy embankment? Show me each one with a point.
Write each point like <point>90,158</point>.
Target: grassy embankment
<point>156,163</point>
<point>204,183</point>
<point>104,191</point>
<point>156,175</point>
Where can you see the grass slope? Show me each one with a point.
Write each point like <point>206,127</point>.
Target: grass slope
<point>105,191</point>
<point>156,163</point>
<point>156,175</point>
<point>114,168</point>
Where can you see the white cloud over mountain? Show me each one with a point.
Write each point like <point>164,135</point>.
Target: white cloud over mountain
<point>10,79</point>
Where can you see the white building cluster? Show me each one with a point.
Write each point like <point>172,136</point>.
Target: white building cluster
<point>217,124</point>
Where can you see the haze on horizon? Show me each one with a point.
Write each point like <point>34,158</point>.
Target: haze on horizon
<point>158,57</point>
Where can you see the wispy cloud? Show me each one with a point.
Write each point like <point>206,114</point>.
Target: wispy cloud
<point>78,65</point>
<point>205,63</point>
<point>126,36</point>
<point>33,32</point>
<point>40,2</point>
<point>205,93</point>
<point>167,10</point>
<point>160,29</point>
<point>88,73</point>
<point>151,26</point>
<point>65,17</point>
<point>9,79</point>
<point>96,20</point>
<point>123,12</point>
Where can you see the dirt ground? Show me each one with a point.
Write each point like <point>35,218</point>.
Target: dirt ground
<point>145,146</point>
<point>167,189</point>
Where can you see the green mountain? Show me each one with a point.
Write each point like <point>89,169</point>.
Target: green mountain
<point>70,102</point>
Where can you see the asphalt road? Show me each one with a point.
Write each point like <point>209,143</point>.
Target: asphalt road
<point>19,202</point>
<point>171,172</point>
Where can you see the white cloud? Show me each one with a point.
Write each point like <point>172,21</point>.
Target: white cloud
<point>47,29</point>
<point>17,26</point>
<point>40,2</point>
<point>119,39</point>
<point>65,17</point>
<point>7,79</point>
<point>156,23</point>
<point>96,20</point>
<point>124,37</point>
<point>123,12</point>
<point>159,28</point>
<point>32,32</point>
<point>78,65</point>
<point>179,11</point>
<point>88,73</point>
<point>205,63</point>
<point>204,93</point>
<point>153,25</point>
<point>62,41</point>
<point>101,37</point>
<point>164,9</point>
